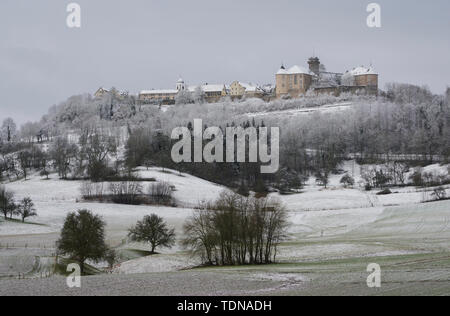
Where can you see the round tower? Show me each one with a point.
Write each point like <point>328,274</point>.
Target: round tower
<point>181,85</point>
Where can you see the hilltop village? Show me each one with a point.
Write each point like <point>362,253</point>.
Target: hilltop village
<point>293,82</point>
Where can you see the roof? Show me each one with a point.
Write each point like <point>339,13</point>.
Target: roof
<point>208,88</point>
<point>294,70</point>
<point>168,91</point>
<point>101,89</point>
<point>359,71</point>
<point>249,87</point>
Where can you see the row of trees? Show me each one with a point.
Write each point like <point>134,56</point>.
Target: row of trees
<point>10,208</point>
<point>90,157</point>
<point>147,147</point>
<point>232,230</point>
<point>128,192</point>
<point>236,230</point>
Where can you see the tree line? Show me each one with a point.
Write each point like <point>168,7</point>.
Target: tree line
<point>10,208</point>
<point>234,230</point>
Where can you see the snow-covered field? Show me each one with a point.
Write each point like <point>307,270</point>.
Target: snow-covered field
<point>328,108</point>
<point>327,224</point>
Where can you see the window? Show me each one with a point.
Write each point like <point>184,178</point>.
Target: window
<point>295,80</point>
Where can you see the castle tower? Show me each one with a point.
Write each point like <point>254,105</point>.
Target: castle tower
<point>314,65</point>
<point>181,85</point>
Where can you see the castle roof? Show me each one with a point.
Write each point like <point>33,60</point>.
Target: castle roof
<point>294,70</point>
<point>208,88</point>
<point>359,71</point>
<point>249,87</point>
<point>167,91</point>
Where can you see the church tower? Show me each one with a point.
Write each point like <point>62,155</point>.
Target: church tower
<point>314,65</point>
<point>181,85</point>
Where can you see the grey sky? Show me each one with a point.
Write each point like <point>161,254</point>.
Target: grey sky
<point>145,44</point>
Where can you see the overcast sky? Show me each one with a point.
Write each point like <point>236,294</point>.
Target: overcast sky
<point>145,44</point>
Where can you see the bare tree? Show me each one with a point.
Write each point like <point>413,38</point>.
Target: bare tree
<point>153,230</point>
<point>7,205</point>
<point>26,209</point>
<point>236,230</point>
<point>62,152</point>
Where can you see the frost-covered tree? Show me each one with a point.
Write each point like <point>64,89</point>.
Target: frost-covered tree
<point>184,97</point>
<point>9,130</point>
<point>29,131</point>
<point>62,153</point>
<point>26,209</point>
<point>199,95</point>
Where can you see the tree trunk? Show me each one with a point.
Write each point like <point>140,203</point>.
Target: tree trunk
<point>81,268</point>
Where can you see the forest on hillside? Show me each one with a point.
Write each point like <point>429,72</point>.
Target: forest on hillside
<point>100,138</point>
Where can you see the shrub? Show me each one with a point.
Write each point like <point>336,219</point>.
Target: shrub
<point>323,178</point>
<point>384,192</point>
<point>417,178</point>
<point>347,181</point>
<point>160,193</point>
<point>126,192</point>
<point>439,193</point>
<point>111,258</point>
<point>44,173</point>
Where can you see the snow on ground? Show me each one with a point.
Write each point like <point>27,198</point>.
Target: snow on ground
<point>326,223</point>
<point>427,220</point>
<point>156,263</point>
<point>336,197</point>
<point>189,190</point>
<point>329,108</point>
<point>55,198</point>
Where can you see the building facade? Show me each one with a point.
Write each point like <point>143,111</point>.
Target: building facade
<point>239,90</point>
<point>296,81</point>
<point>211,93</point>
<point>101,92</point>
<point>293,82</point>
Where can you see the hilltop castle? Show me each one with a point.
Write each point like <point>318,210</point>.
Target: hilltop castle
<point>296,81</point>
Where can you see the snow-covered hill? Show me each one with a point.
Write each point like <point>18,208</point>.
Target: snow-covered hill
<point>326,223</point>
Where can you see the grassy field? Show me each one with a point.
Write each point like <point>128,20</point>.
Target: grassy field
<point>335,234</point>
<point>424,274</point>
